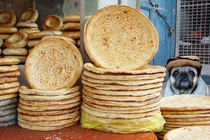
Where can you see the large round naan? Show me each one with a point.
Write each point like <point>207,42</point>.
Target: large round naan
<point>53,65</point>
<point>120,37</point>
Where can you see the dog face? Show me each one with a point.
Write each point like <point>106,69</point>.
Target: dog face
<point>183,80</point>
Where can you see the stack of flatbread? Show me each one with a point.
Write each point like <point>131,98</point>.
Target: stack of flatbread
<point>71,27</point>
<point>184,110</point>
<point>189,133</point>
<point>9,87</point>
<point>53,99</point>
<point>121,92</point>
<point>122,101</point>
<point>48,110</point>
<point>7,27</point>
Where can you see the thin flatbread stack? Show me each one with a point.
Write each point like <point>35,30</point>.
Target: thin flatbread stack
<point>120,37</point>
<point>48,110</point>
<point>123,96</point>
<point>9,87</point>
<point>121,92</point>
<point>71,27</point>
<point>184,111</point>
<point>53,99</point>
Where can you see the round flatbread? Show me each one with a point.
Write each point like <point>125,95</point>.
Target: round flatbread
<point>185,102</point>
<point>39,35</point>
<point>10,74</point>
<point>26,25</point>
<point>52,22</point>
<point>120,87</point>
<point>121,104</point>
<point>9,68</point>
<point>7,123</point>
<point>207,111</point>
<point>49,98</point>
<point>71,26</point>
<point>8,117</point>
<point>115,115</point>
<point>71,34</point>
<point>50,123</point>
<point>49,107</point>
<point>187,133</point>
<point>7,18</point>
<point>124,77</point>
<point>4,36</point>
<point>29,30</point>
<point>53,65</point>
<point>29,15</point>
<point>61,92</point>
<point>55,37</point>
<point>8,96</point>
<point>17,40</point>
<point>124,108</point>
<point>15,51</point>
<point>1,42</point>
<point>123,82</point>
<point>8,111</point>
<point>9,101</point>
<point>7,30</point>
<point>44,128</point>
<point>8,107</point>
<point>149,69</point>
<point>33,43</point>
<point>131,111</point>
<point>120,37</point>
<point>9,90</point>
<point>71,18</point>
<point>50,113</point>
<point>120,98</point>
<point>48,118</point>
<point>56,33</point>
<point>41,103</point>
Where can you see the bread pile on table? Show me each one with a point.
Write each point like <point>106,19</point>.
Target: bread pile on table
<point>53,99</point>
<point>121,92</point>
<point>183,111</point>
<point>9,87</point>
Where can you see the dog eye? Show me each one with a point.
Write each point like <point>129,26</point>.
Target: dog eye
<point>192,73</point>
<point>175,73</point>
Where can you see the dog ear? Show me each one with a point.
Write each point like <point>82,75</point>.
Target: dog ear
<point>199,72</point>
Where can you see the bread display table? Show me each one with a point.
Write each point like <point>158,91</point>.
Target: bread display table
<point>76,132</point>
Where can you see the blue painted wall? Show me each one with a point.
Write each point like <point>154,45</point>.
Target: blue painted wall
<point>167,9</point>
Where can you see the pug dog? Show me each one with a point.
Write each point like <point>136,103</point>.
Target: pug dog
<point>184,78</point>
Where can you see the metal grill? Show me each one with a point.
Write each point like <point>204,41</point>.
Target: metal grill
<point>194,29</point>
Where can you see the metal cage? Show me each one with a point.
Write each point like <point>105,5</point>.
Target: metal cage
<point>193,30</point>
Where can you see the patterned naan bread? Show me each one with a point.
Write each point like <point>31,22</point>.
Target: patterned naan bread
<point>53,64</point>
<point>120,37</point>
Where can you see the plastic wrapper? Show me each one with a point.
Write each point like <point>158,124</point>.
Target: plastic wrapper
<point>125,126</point>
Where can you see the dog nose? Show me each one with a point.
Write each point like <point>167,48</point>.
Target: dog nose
<point>183,81</point>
